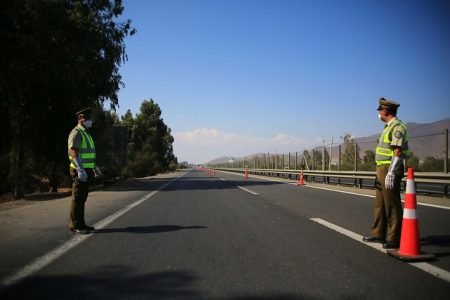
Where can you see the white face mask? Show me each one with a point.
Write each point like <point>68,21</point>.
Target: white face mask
<point>88,123</point>
<point>379,117</point>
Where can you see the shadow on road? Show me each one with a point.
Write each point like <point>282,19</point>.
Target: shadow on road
<point>199,182</point>
<point>437,241</point>
<point>119,282</point>
<point>214,183</point>
<point>148,229</point>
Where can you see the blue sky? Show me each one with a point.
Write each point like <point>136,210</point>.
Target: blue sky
<point>238,77</point>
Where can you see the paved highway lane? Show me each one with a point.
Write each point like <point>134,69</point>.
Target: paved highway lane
<point>32,230</point>
<point>224,237</point>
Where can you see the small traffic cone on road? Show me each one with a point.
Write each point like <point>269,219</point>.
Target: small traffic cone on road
<point>246,174</point>
<point>410,239</point>
<point>300,181</point>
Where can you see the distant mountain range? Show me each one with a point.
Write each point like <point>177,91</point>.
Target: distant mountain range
<point>424,140</point>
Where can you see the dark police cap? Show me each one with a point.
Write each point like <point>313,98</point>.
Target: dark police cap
<point>387,103</point>
<point>87,112</point>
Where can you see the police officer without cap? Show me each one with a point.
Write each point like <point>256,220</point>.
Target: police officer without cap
<point>81,150</point>
<point>389,155</point>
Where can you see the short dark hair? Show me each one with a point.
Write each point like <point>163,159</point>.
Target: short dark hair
<point>392,110</point>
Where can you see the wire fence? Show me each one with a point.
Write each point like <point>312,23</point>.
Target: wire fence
<point>429,154</point>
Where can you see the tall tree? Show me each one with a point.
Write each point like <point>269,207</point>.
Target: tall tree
<point>413,162</point>
<point>368,161</point>
<point>151,149</point>
<point>56,58</point>
<point>349,154</point>
<point>306,160</point>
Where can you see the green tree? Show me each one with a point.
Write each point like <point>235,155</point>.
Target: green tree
<point>368,163</point>
<point>432,164</point>
<point>305,164</point>
<point>317,159</point>
<point>151,142</point>
<point>413,162</point>
<point>56,58</point>
<point>349,153</point>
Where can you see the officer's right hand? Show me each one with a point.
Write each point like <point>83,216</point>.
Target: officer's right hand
<point>389,181</point>
<point>82,175</point>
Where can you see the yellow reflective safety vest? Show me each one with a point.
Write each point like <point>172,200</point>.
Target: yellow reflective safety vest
<point>384,151</point>
<point>86,151</point>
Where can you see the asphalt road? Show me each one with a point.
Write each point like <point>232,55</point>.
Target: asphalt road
<point>219,237</point>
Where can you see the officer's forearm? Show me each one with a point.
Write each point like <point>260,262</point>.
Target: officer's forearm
<point>76,159</point>
<point>395,163</point>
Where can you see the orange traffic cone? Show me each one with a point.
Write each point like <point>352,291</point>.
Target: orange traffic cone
<point>300,181</point>
<point>246,174</point>
<point>410,239</point>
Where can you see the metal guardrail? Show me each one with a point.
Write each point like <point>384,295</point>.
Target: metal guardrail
<point>426,182</point>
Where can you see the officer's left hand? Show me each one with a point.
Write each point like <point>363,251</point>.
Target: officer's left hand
<point>389,181</point>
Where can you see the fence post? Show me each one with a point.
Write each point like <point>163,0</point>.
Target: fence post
<point>323,156</point>
<point>446,152</point>
<point>314,160</point>
<point>339,158</point>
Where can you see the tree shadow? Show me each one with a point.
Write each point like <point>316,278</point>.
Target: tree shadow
<point>199,182</point>
<point>120,282</point>
<point>148,229</point>
<point>137,184</point>
<point>114,282</point>
<point>214,183</point>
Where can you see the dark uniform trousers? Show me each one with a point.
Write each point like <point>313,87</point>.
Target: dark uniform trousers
<point>388,211</point>
<point>80,192</point>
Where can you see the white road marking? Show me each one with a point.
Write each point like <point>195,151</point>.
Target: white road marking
<point>48,258</point>
<point>426,267</point>
<point>247,190</point>
<point>432,205</point>
<point>343,192</point>
<point>240,187</point>
<point>346,192</point>
<point>372,196</point>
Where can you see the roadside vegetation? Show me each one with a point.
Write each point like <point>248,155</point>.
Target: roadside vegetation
<point>58,57</point>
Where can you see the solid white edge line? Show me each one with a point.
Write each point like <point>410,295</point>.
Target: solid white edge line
<point>48,258</point>
<point>426,267</point>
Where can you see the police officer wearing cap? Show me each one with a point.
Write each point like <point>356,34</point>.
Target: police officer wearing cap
<point>390,153</point>
<point>81,150</point>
